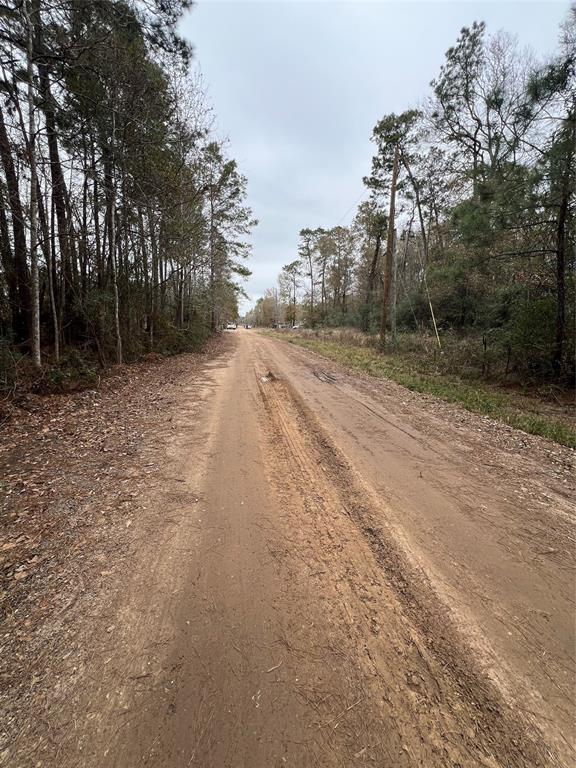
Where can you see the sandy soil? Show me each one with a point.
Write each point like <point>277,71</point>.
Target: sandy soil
<point>312,569</point>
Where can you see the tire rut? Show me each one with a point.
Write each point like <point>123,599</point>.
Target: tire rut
<point>445,704</point>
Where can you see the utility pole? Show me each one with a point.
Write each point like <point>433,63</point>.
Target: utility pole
<point>389,251</point>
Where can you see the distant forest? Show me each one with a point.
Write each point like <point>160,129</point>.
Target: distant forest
<point>483,241</point>
<point>123,221</point>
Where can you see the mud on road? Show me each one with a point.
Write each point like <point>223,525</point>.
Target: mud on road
<point>324,570</point>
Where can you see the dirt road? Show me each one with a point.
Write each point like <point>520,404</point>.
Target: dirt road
<point>327,570</point>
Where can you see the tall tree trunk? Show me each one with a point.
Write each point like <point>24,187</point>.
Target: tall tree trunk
<point>65,224</point>
<point>416,189</point>
<point>438,229</point>
<point>22,309</point>
<point>59,288</point>
<point>101,271</point>
<point>112,239</point>
<point>145,267</point>
<point>389,251</point>
<point>560,285</point>
<point>561,238</point>
<point>394,291</point>
<point>115,281</point>
<point>213,319</point>
<point>311,265</point>
<point>154,286</point>
<point>371,283</point>
<point>44,228</point>
<point>323,292</point>
<point>83,255</point>
<point>34,279</point>
<point>7,262</point>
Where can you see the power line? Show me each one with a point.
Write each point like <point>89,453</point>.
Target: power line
<point>354,204</point>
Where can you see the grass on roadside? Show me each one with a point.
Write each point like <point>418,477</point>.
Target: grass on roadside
<point>513,409</point>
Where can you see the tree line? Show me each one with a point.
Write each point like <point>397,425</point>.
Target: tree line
<point>483,241</point>
<point>123,221</point>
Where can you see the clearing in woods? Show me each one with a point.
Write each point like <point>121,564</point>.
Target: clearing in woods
<point>289,565</point>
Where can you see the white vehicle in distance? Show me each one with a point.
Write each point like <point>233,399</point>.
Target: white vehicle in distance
<point>231,326</point>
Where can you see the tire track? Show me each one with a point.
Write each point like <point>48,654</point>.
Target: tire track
<point>438,669</point>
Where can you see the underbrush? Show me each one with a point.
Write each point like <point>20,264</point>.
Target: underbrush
<point>417,366</point>
<point>81,367</point>
<point>72,372</point>
<point>487,357</point>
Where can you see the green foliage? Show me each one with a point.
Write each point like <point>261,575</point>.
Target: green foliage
<point>72,372</point>
<point>485,224</point>
<point>471,219</point>
<point>531,336</point>
<point>9,358</point>
<point>142,214</point>
<point>390,132</point>
<point>172,340</point>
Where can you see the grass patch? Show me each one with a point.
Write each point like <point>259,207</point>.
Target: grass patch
<point>514,409</point>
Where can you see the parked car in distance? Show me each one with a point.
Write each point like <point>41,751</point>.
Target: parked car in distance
<point>231,326</point>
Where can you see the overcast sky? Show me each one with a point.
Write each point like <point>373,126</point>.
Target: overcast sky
<point>298,86</point>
